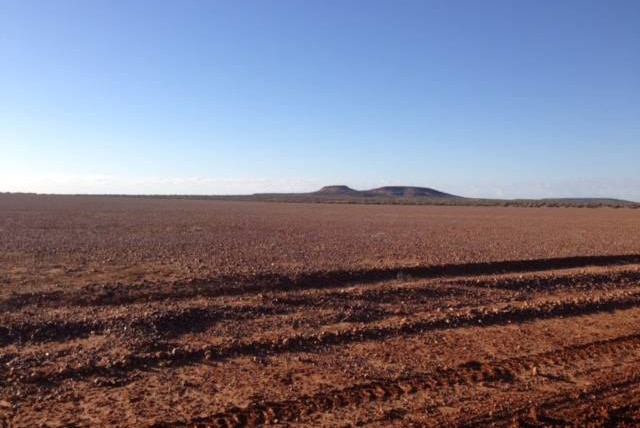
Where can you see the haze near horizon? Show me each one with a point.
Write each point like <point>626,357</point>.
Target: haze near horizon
<point>495,99</point>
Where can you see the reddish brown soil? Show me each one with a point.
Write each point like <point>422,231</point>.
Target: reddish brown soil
<point>171,313</point>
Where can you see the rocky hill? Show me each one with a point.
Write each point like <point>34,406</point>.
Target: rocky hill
<point>385,192</point>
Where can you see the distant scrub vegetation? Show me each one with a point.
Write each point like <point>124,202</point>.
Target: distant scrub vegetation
<point>529,203</point>
<point>389,200</point>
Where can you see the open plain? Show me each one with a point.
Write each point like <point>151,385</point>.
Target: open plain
<point>122,311</point>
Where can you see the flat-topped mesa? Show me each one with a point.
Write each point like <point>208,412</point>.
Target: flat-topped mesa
<point>384,192</point>
<point>408,192</point>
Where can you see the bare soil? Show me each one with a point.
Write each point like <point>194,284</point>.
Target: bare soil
<point>176,313</point>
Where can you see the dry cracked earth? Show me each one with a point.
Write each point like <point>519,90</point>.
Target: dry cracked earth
<point>175,313</point>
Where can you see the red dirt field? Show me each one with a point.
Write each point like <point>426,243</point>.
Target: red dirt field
<point>120,311</point>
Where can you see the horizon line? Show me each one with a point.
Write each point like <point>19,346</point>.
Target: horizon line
<point>258,194</point>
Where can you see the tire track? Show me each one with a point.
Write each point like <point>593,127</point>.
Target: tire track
<point>469,373</point>
<point>317,342</point>
<point>179,321</point>
<point>156,324</point>
<point>597,405</point>
<point>173,322</point>
<point>120,294</point>
<point>546,283</point>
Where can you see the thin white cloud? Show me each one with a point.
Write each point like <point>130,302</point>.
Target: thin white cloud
<point>104,184</point>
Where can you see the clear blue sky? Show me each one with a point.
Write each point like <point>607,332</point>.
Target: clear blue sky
<point>489,98</point>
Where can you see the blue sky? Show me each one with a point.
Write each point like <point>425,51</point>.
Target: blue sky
<point>528,98</point>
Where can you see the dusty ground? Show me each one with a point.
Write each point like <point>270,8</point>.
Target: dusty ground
<point>144,312</point>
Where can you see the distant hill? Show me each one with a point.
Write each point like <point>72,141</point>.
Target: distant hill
<point>413,195</point>
<point>383,192</point>
<point>393,195</point>
<point>339,190</point>
<point>409,192</point>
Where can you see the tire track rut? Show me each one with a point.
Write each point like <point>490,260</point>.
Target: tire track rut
<point>469,373</point>
<point>356,306</point>
<point>596,405</point>
<point>311,343</point>
<point>120,294</point>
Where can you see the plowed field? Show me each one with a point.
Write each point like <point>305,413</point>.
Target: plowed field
<point>181,313</point>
